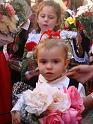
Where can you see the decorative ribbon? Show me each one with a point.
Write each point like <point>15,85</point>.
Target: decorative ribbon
<point>50,34</point>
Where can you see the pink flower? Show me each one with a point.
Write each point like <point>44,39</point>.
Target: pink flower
<point>76,99</point>
<point>10,10</point>
<point>71,116</point>
<point>55,117</point>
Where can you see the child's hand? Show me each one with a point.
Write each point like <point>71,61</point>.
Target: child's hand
<point>16,117</point>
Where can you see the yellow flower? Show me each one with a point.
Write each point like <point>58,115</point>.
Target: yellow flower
<point>71,20</point>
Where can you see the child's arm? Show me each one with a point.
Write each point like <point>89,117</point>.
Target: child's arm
<point>16,118</point>
<point>15,112</point>
<point>19,104</point>
<point>68,34</point>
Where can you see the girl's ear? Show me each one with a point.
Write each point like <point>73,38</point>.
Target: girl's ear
<point>67,61</point>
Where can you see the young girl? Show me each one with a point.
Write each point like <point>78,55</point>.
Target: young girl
<point>52,59</point>
<point>48,17</point>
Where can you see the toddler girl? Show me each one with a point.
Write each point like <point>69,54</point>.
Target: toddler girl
<point>52,59</point>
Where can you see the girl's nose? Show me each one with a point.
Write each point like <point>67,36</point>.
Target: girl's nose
<point>49,65</point>
<point>46,18</point>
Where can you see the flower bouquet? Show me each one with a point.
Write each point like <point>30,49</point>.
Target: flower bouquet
<point>49,105</point>
<point>8,21</point>
<point>70,23</point>
<point>12,16</point>
<point>85,17</point>
<point>73,24</point>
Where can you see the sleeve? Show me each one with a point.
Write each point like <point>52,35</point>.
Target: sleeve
<point>19,104</point>
<point>26,25</point>
<point>33,37</point>
<point>81,90</point>
<point>68,34</point>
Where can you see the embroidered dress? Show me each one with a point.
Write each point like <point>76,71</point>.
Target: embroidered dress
<point>79,47</point>
<point>79,54</point>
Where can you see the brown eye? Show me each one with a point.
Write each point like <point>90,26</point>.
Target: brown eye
<point>55,61</point>
<point>51,17</point>
<point>43,61</point>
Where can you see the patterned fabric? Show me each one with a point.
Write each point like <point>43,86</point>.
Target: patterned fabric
<point>18,88</point>
<point>29,66</point>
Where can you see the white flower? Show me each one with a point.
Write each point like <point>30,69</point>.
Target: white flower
<point>61,101</point>
<point>45,97</point>
<point>29,54</point>
<point>38,100</point>
<point>86,8</point>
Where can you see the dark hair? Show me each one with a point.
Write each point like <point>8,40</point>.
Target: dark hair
<point>57,9</point>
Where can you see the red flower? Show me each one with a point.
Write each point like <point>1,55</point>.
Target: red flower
<point>30,45</point>
<point>80,26</point>
<point>66,27</point>
<point>87,14</point>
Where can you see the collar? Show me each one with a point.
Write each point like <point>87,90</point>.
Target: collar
<point>60,82</point>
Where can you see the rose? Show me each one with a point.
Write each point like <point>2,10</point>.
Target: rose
<point>72,116</point>
<point>71,20</point>
<point>54,117</point>
<point>61,101</point>
<point>39,99</point>
<point>76,99</point>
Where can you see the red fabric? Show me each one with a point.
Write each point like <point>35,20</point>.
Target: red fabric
<point>5,119</point>
<point>30,45</point>
<point>5,91</point>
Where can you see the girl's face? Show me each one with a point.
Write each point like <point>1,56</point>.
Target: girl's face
<point>47,18</point>
<point>51,62</point>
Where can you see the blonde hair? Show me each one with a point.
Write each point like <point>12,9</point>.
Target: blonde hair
<point>57,9</point>
<point>49,43</point>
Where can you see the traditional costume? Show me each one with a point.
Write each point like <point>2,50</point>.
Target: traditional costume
<point>5,90</point>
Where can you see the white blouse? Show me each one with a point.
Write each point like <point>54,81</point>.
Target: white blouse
<point>62,83</point>
<point>33,36</point>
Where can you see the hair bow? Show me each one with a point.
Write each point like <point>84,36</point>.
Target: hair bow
<point>50,34</point>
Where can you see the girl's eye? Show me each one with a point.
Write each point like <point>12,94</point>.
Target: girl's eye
<point>43,61</point>
<point>42,16</point>
<point>56,61</point>
<point>51,17</point>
